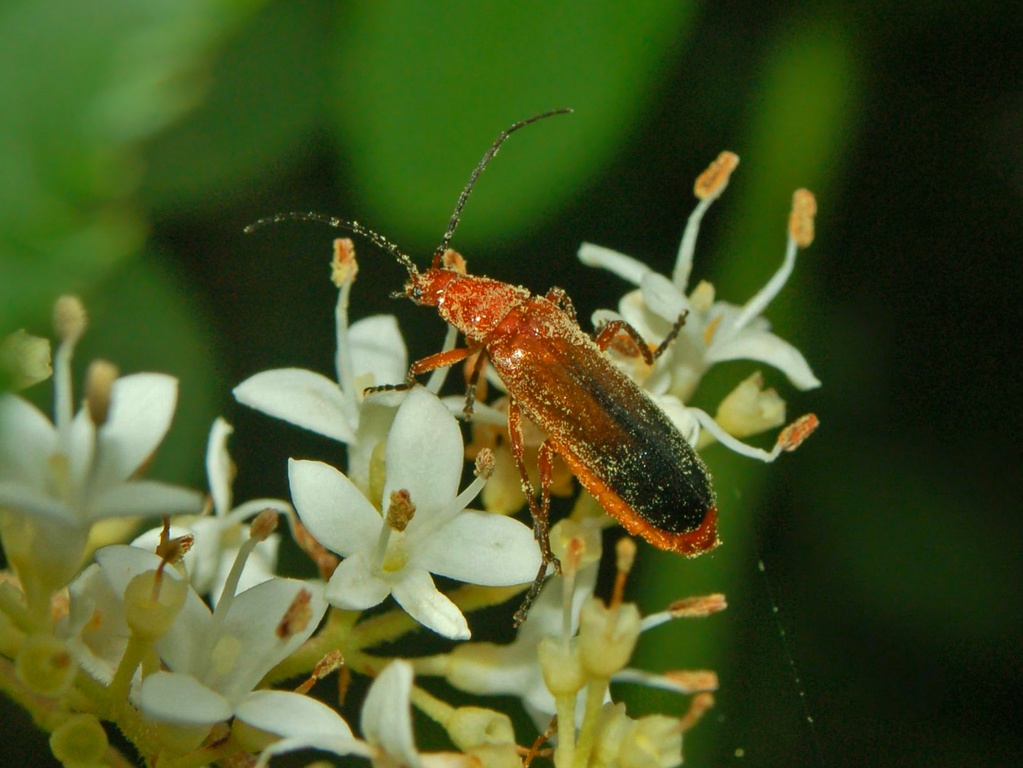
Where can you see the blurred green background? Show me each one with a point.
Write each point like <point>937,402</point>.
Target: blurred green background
<point>138,138</point>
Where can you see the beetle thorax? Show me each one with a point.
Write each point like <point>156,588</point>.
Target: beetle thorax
<point>474,305</point>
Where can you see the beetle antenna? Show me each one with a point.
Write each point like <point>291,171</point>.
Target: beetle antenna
<point>352,226</point>
<point>462,198</point>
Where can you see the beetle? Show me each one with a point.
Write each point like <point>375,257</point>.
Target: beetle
<point>621,445</point>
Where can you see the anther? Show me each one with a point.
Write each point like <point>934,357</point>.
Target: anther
<point>343,267</point>
<point>400,511</point>
<point>796,433</point>
<point>69,318</point>
<point>804,209</point>
<point>99,384</point>
<point>712,182</point>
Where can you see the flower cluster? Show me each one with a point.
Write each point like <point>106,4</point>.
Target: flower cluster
<point>186,638</point>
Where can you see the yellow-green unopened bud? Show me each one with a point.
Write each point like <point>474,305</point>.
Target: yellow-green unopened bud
<point>80,740</point>
<point>607,636</point>
<point>561,667</point>
<point>474,726</point>
<point>655,741</point>
<point>496,756</point>
<point>45,665</point>
<point>151,603</point>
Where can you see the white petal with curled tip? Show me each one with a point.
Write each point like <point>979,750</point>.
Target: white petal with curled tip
<point>386,714</point>
<point>332,508</point>
<point>421,599</point>
<point>145,498</point>
<point>625,267</point>
<point>292,715</point>
<point>480,548</point>
<point>377,347</point>
<point>170,697</point>
<point>141,408</point>
<point>303,398</point>
<point>424,455</point>
<point>218,466</point>
<point>354,587</point>
<point>27,440</point>
<point>662,297</point>
<point>31,501</point>
<point>767,348</point>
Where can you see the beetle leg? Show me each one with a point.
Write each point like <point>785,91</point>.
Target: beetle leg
<point>561,299</point>
<point>425,365</point>
<point>611,331</point>
<point>540,512</point>
<point>473,382</point>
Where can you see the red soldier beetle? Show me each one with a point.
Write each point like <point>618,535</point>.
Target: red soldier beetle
<point>621,445</point>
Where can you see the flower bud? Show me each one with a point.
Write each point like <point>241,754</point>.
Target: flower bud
<point>79,740</point>
<point>561,666</point>
<point>45,665</point>
<point>471,727</point>
<point>152,601</point>
<point>607,636</point>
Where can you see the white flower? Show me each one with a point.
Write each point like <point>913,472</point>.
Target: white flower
<point>424,459</point>
<point>714,331</point>
<point>58,479</point>
<point>386,726</point>
<point>217,658</point>
<point>217,537</point>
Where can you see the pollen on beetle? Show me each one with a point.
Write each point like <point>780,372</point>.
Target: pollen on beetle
<point>297,617</point>
<point>400,511</point>
<point>796,433</point>
<point>99,383</point>
<point>343,267</point>
<point>712,182</point>
<point>804,209</point>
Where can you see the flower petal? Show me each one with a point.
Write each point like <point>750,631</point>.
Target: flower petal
<point>290,715</point>
<point>424,454</point>
<point>354,586</point>
<point>765,347</point>
<point>141,408</point>
<point>662,297</point>
<point>253,621</point>
<point>332,508</point>
<point>419,596</point>
<point>175,698</point>
<point>481,548</point>
<point>386,713</point>
<point>27,440</point>
<point>303,398</point>
<point>377,347</point>
<point>145,498</point>
<point>219,469</point>
<point>625,267</point>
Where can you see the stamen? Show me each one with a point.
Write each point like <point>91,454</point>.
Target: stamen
<point>331,662</point>
<point>264,524</point>
<point>343,271</point>
<point>625,557</point>
<point>795,433</point>
<point>344,267</point>
<point>708,187</point>
<point>712,182</point>
<point>69,321</point>
<point>804,209</point>
<point>698,707</point>
<point>99,383</point>
<point>484,465</point>
<point>400,511</point>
